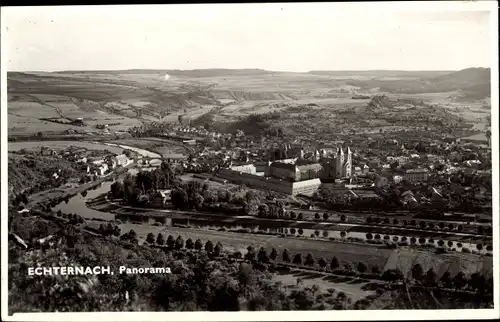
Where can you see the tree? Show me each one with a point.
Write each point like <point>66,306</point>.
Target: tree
<point>375,270</point>
<point>117,189</point>
<point>369,236</point>
<point>250,255</point>
<point>343,218</point>
<point>132,234</point>
<point>179,242</point>
<point>218,249</point>
<point>160,240</point>
<point>446,280</point>
<point>292,214</point>
<point>117,231</point>
<point>170,241</point>
<point>325,216</point>
<point>286,256</point>
<point>316,216</point>
<point>322,262</point>
<point>179,198</point>
<point>263,210</point>
<point>198,201</point>
<point>198,245</point>
<point>361,267</point>
<point>274,254</point>
<point>417,272</point>
<point>209,247</point>
<point>309,260</point>
<point>430,277</point>
<point>300,216</point>
<point>459,281</point>
<point>334,263</point>
<point>262,256</point>
<point>392,275</point>
<point>189,243</point>
<point>297,259</point>
<point>300,231</point>
<point>150,238</point>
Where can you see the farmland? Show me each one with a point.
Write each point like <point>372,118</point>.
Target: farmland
<point>122,99</point>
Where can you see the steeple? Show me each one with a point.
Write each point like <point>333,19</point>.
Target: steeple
<point>349,150</point>
<point>341,151</point>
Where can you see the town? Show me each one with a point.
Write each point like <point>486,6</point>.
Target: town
<point>326,187</point>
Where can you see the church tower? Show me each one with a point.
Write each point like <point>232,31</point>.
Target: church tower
<point>348,163</point>
<point>339,162</point>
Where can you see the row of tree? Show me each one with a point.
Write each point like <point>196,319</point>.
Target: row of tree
<point>178,243</point>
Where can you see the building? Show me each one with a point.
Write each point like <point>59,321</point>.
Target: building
<point>284,171</point>
<point>416,175</point>
<point>340,166</point>
<point>102,169</point>
<point>245,168</point>
<point>121,160</point>
<point>294,172</point>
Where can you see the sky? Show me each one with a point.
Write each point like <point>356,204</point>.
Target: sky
<point>283,37</point>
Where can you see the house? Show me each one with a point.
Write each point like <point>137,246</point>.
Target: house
<point>98,162</point>
<point>121,160</point>
<point>162,197</point>
<point>397,179</point>
<point>408,198</point>
<point>357,171</point>
<point>45,151</point>
<point>245,168</point>
<point>82,160</point>
<point>416,175</point>
<point>102,169</point>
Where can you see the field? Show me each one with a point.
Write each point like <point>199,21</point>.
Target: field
<point>122,99</point>
<point>346,253</point>
<point>35,145</point>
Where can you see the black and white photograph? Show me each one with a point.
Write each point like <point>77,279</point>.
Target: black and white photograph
<point>258,161</point>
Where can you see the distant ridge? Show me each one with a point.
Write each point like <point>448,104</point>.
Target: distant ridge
<point>382,73</point>
<point>212,72</point>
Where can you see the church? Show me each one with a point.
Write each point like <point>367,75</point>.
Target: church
<point>336,166</point>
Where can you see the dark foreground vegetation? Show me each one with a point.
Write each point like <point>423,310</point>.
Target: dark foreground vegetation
<point>204,276</point>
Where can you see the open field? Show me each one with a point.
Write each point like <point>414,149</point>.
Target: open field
<point>35,145</point>
<point>124,99</point>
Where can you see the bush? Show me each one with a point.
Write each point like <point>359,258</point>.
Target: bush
<point>297,259</point>
<point>292,231</point>
<point>369,236</point>
<point>150,238</point>
<point>189,243</point>
<point>377,237</point>
<point>361,267</point>
<point>421,240</point>
<point>334,264</point>
<point>395,238</point>
<point>309,260</point>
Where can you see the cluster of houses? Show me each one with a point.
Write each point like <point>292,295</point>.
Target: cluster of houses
<point>97,163</point>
